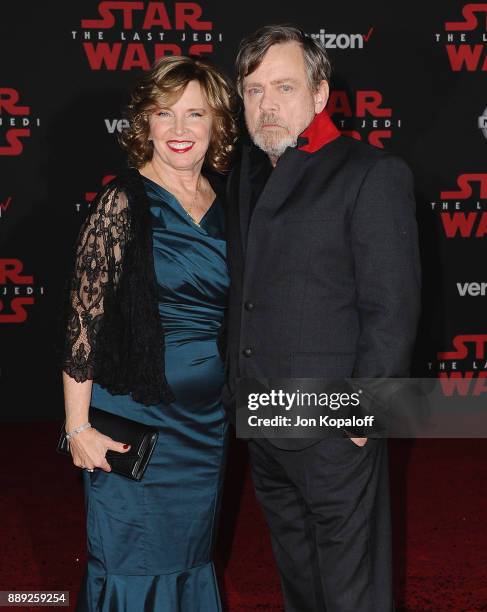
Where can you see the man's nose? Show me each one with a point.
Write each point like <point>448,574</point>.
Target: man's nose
<point>268,102</point>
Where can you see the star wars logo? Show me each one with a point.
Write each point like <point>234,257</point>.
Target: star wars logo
<point>463,211</point>
<point>465,40</point>
<point>15,122</point>
<point>133,35</point>
<point>363,116</point>
<point>463,370</point>
<point>17,291</point>
<point>89,196</point>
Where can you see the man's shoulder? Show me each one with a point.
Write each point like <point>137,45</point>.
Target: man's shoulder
<point>358,151</point>
<point>360,157</point>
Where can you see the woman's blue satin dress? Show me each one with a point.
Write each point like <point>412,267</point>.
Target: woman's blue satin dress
<point>150,543</point>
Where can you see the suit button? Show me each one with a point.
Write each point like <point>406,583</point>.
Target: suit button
<point>249,305</point>
<point>247,352</point>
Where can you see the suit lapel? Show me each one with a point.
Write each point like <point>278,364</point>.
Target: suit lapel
<point>257,172</point>
<point>284,177</point>
<point>287,174</point>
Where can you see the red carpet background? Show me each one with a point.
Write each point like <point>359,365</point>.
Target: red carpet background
<point>439,515</point>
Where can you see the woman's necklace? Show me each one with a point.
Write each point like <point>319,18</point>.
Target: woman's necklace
<point>189,210</point>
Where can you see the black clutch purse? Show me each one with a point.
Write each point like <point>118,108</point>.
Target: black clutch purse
<point>142,439</point>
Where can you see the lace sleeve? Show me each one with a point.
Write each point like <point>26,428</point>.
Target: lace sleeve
<point>99,257</point>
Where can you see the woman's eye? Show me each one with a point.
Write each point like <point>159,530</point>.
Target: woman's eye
<point>196,114</point>
<point>163,114</point>
<point>253,91</point>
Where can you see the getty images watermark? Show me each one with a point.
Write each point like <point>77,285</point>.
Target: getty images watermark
<point>280,399</point>
<point>380,408</point>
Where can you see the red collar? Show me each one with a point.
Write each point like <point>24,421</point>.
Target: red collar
<point>319,132</point>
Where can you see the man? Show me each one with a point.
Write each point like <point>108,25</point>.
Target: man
<point>325,283</point>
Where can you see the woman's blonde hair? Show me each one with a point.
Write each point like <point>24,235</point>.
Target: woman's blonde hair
<point>163,85</point>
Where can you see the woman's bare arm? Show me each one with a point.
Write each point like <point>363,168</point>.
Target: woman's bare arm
<point>77,396</point>
<point>89,447</point>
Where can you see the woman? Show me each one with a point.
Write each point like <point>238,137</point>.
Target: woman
<point>146,306</point>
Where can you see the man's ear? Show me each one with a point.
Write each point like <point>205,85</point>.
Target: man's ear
<point>321,96</point>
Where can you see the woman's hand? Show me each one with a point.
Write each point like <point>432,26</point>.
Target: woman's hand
<point>89,447</point>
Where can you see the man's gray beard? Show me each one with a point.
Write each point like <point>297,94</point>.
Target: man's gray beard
<point>272,146</point>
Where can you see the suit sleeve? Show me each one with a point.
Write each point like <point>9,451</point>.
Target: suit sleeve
<point>387,269</point>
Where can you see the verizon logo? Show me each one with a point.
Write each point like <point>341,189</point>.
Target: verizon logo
<point>473,289</point>
<point>4,205</point>
<point>116,124</point>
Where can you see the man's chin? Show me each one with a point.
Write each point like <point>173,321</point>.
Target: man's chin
<point>273,147</point>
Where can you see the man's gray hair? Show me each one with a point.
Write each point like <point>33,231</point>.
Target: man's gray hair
<point>253,48</point>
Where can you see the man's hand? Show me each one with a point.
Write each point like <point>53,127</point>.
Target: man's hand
<point>359,441</point>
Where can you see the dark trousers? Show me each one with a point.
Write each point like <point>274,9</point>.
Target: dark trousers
<point>327,507</point>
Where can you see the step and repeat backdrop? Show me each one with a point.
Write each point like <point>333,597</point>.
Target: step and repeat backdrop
<point>408,76</point>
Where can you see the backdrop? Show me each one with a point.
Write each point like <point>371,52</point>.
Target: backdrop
<point>408,76</point>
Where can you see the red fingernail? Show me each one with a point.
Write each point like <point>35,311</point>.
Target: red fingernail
<point>126,445</point>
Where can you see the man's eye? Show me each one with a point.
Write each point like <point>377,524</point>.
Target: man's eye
<point>253,91</point>
<point>286,88</point>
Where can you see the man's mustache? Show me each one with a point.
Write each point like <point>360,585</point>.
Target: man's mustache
<point>267,119</point>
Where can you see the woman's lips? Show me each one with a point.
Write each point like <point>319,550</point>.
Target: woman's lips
<point>180,146</point>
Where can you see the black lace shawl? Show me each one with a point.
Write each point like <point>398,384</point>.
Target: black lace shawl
<point>113,329</point>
